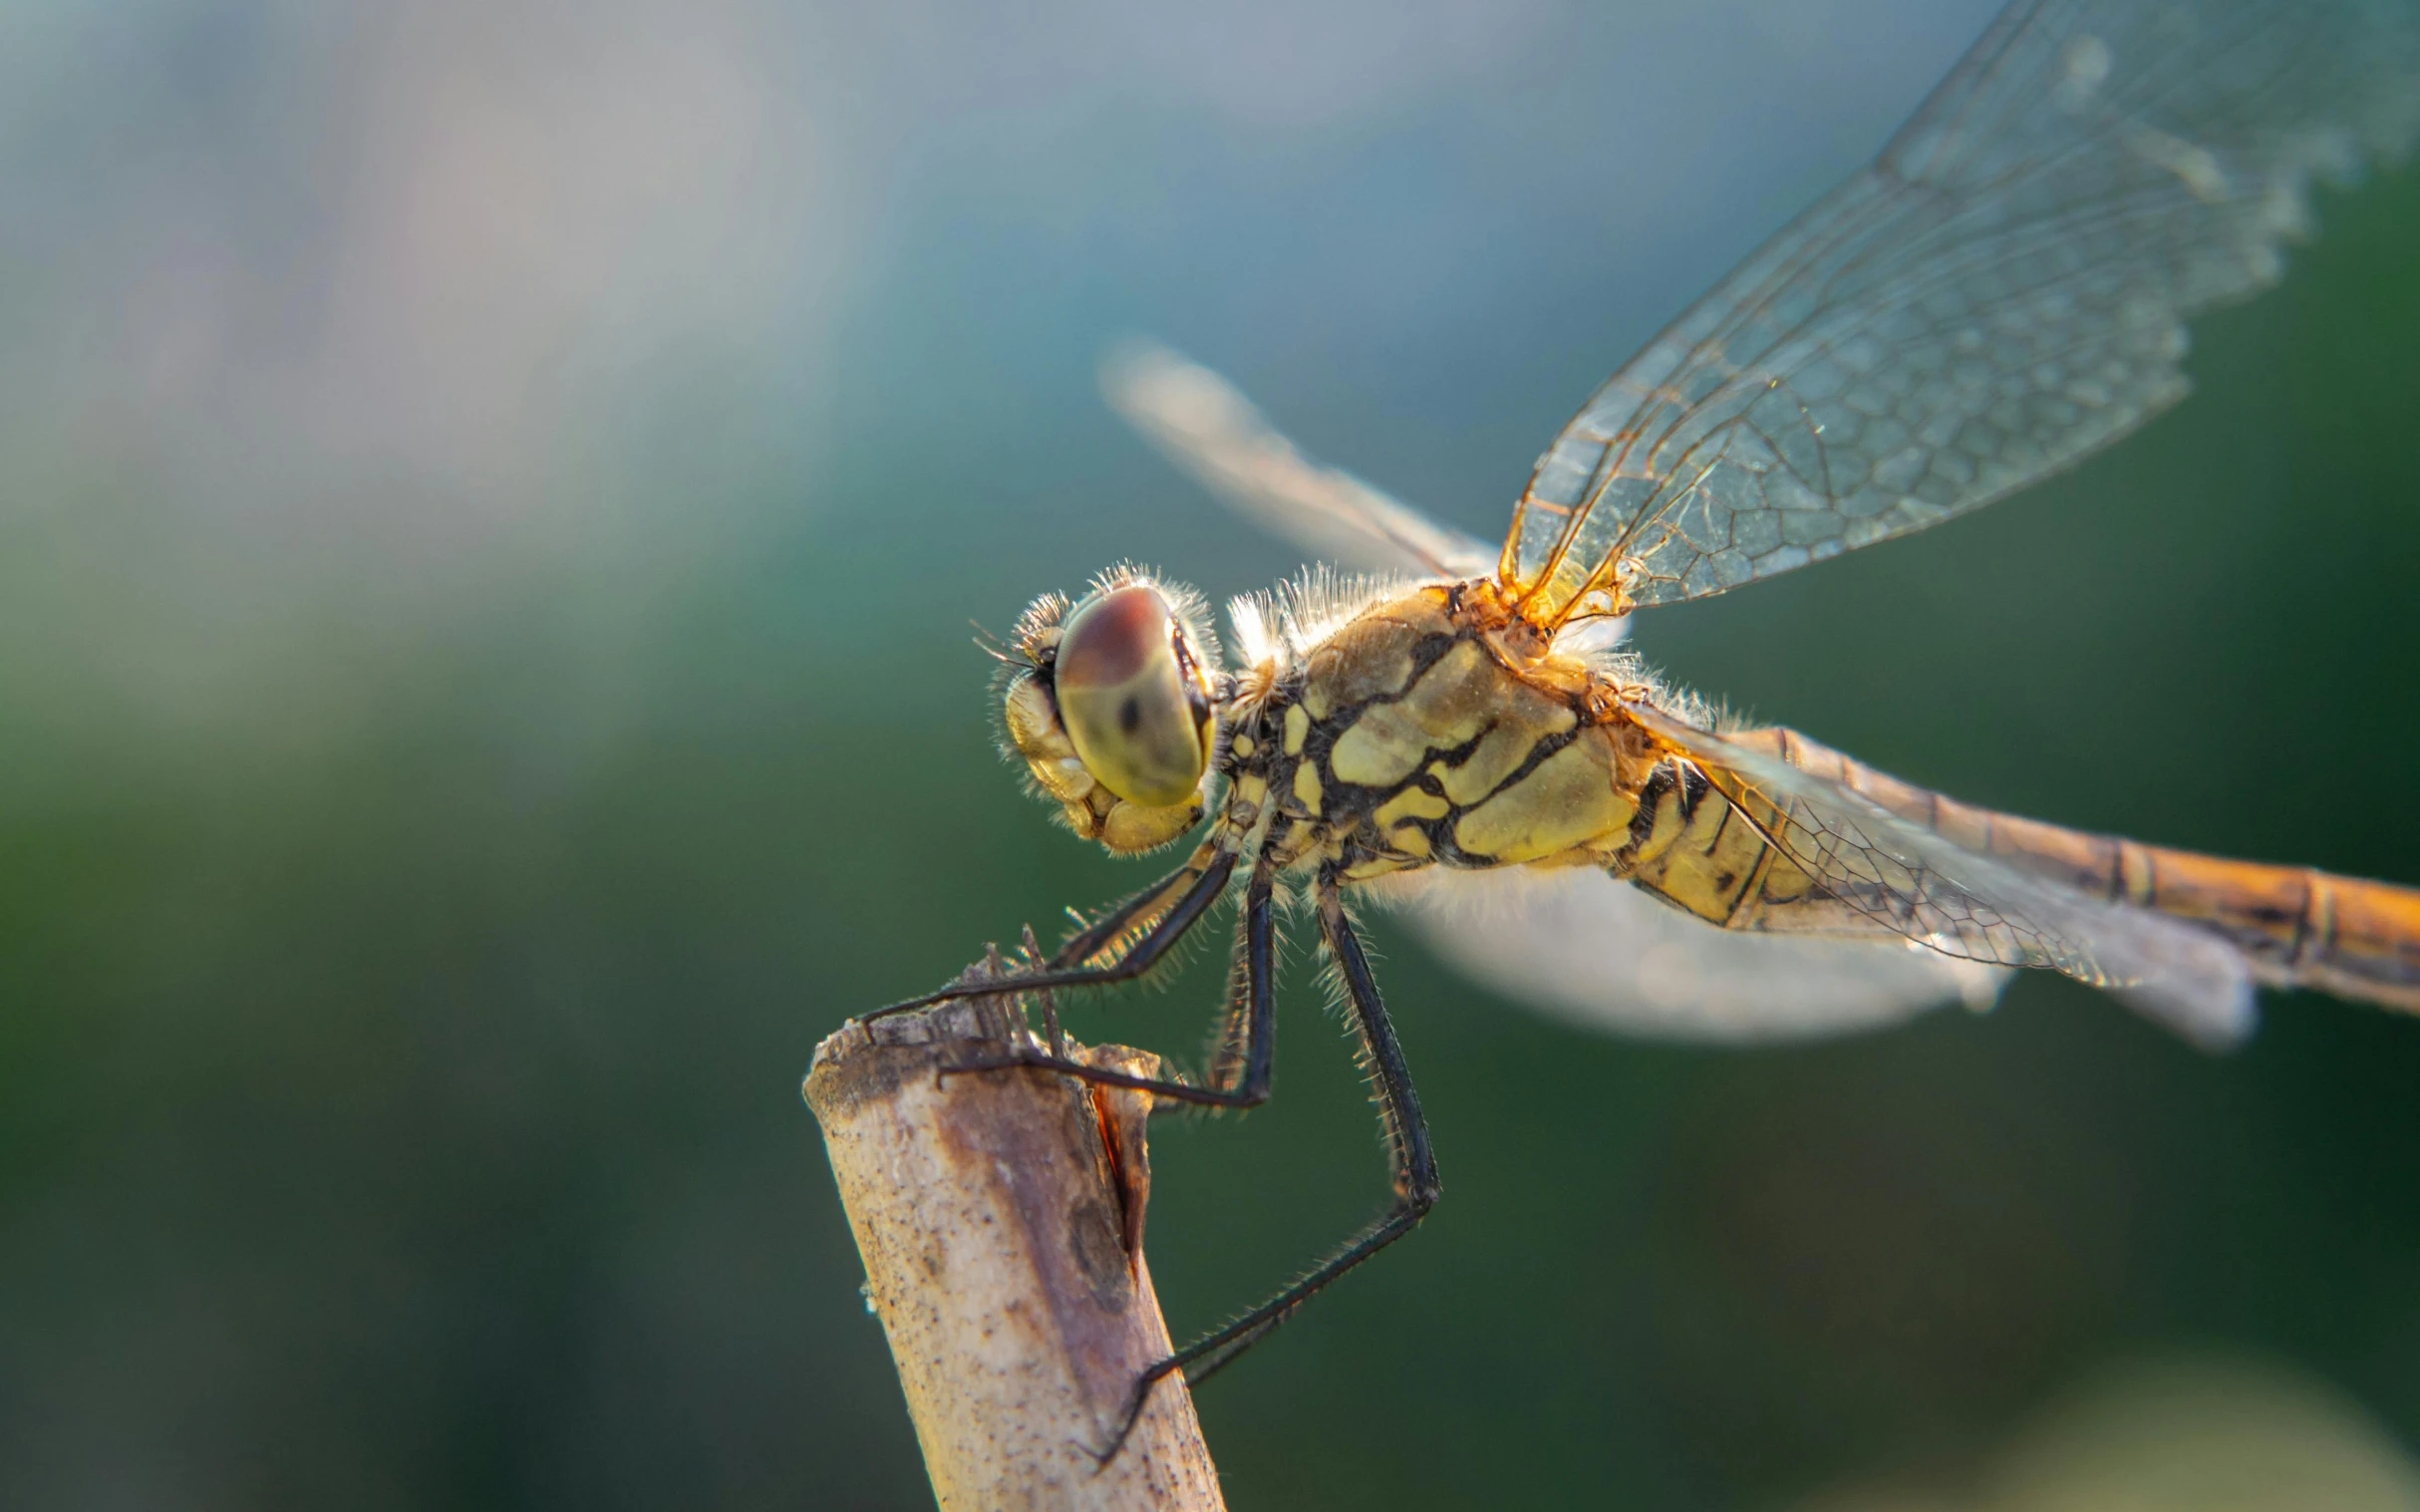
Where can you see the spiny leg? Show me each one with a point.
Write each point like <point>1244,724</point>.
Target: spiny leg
<point>1415,1173</point>
<point>1246,1059</point>
<point>1049,1004</point>
<point>1102,932</point>
<point>1255,1004</point>
<point>1164,932</point>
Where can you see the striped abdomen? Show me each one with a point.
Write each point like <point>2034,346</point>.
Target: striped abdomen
<point>2295,926</point>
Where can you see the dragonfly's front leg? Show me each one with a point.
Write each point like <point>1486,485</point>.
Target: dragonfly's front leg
<point>1208,872</point>
<point>1251,1008</point>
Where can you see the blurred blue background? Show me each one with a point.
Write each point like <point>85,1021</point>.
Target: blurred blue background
<point>491,497</point>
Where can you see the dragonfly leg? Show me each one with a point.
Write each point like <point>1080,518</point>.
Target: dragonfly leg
<point>1055,1035</point>
<point>1416,1176</point>
<point>1255,1004</point>
<point>1247,1032</point>
<point>1096,936</point>
<point>1164,932</point>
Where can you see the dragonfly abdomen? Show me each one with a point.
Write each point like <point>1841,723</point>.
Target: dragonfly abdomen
<point>2295,926</point>
<point>2298,926</point>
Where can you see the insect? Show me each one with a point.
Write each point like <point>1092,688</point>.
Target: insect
<point>2002,292</point>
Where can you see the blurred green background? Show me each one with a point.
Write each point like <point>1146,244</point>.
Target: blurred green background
<point>491,497</point>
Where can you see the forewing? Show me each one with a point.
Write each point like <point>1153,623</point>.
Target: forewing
<point>1904,876</point>
<point>2002,292</point>
<point>1586,948</point>
<point>1212,431</point>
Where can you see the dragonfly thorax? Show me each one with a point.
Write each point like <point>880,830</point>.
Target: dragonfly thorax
<point>1431,727</point>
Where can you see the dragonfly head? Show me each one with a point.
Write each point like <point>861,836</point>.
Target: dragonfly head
<point>1109,704</point>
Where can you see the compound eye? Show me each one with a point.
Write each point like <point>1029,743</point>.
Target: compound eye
<point>1131,700</point>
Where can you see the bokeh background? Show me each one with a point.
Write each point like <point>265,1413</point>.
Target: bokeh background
<point>491,497</point>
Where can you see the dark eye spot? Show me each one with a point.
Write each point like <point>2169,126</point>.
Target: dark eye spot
<point>1130,715</point>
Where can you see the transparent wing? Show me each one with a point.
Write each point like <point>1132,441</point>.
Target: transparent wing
<point>1586,948</point>
<point>1212,431</point>
<point>1901,874</point>
<point>2002,292</point>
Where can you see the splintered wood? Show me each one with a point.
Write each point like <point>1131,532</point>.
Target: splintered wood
<point>1000,1216</point>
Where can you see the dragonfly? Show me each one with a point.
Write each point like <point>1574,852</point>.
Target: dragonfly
<point>2002,291</point>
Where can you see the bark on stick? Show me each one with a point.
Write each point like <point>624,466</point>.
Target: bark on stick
<point>999,1217</point>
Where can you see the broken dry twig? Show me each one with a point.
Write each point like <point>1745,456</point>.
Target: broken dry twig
<point>999,1217</point>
